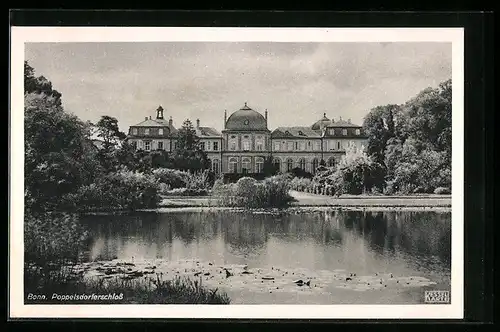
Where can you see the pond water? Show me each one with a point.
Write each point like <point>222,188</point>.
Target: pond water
<point>343,253</point>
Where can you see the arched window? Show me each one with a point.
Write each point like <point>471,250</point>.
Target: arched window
<point>315,164</point>
<point>289,165</point>
<point>246,165</point>
<point>331,162</point>
<point>215,166</point>
<point>277,164</point>
<point>233,165</point>
<point>259,165</point>
<point>302,164</point>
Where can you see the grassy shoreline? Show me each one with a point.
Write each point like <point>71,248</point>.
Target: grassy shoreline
<point>313,200</point>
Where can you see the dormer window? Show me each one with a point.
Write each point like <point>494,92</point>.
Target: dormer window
<point>246,122</point>
<point>332,131</point>
<point>287,132</point>
<point>358,132</point>
<point>301,133</point>
<point>344,132</point>
<point>146,131</point>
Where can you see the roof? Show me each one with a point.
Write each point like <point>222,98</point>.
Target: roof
<point>152,123</point>
<point>342,124</point>
<point>207,132</point>
<point>321,122</point>
<point>325,122</point>
<point>301,132</point>
<point>246,119</point>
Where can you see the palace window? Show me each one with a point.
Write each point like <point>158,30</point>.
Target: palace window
<point>302,146</point>
<point>134,145</point>
<point>216,146</point>
<point>314,165</point>
<point>202,146</point>
<point>160,131</point>
<point>146,131</point>
<point>302,163</point>
<point>332,131</point>
<point>147,145</point>
<point>358,132</point>
<point>276,146</point>
<point>296,145</point>
<point>289,165</point>
<point>246,145</point>
<point>209,146</point>
<point>215,166</point>
<point>259,143</point>
<point>259,164</point>
<point>233,165</point>
<point>232,146</point>
<point>318,145</point>
<point>331,162</point>
<point>338,145</point>
<point>344,132</point>
<point>134,131</point>
<point>245,165</point>
<point>309,146</point>
<point>290,146</point>
<point>277,164</point>
<point>160,145</point>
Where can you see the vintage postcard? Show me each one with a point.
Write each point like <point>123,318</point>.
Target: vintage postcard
<point>236,173</point>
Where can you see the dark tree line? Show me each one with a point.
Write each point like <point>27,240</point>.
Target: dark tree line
<point>412,141</point>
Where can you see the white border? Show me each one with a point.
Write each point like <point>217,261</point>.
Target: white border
<point>20,35</point>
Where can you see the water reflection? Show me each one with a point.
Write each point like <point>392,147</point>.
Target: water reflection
<point>408,242</point>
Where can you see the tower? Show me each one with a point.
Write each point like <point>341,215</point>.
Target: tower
<point>159,113</point>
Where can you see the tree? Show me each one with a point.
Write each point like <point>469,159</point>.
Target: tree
<point>188,156</point>
<point>413,141</point>
<point>379,126</point>
<point>58,155</point>
<point>39,85</point>
<point>269,168</point>
<point>107,129</point>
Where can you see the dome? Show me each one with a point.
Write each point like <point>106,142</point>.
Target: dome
<point>323,122</point>
<point>246,119</point>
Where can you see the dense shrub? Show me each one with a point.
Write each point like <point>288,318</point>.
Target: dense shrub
<point>121,190</point>
<point>300,184</point>
<point>50,237</point>
<point>171,177</point>
<point>250,193</point>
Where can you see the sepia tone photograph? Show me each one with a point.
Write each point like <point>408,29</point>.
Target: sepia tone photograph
<point>238,173</point>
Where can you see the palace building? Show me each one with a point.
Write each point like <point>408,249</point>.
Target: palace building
<point>246,141</point>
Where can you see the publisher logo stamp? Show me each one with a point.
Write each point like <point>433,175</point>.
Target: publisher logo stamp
<point>437,297</point>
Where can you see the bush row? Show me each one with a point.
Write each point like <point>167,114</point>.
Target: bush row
<point>250,193</point>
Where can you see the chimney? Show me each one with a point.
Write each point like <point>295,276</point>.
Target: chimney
<point>170,122</point>
<point>146,118</point>
<point>324,115</point>
<point>349,120</point>
<point>265,115</point>
<point>197,123</point>
<point>340,118</point>
<point>225,118</point>
<point>150,117</point>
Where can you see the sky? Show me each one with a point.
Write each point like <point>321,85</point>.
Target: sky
<point>295,82</point>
